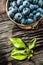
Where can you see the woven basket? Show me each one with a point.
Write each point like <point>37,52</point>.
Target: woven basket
<point>32,26</point>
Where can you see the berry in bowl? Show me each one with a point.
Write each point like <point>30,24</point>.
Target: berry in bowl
<point>25,13</point>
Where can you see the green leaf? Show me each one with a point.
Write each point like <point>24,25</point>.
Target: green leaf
<point>16,51</point>
<point>19,57</point>
<point>18,54</point>
<point>29,56</point>
<point>17,42</point>
<point>30,51</point>
<point>32,43</point>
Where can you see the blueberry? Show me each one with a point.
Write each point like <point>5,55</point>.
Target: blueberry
<point>19,2</point>
<point>35,1</point>
<point>26,11</point>
<point>40,10</point>
<point>13,4</point>
<point>36,6</point>
<point>10,8</point>
<point>38,15</point>
<point>23,21</point>
<point>18,16</point>
<point>15,9</point>
<point>10,13</point>
<point>40,3</point>
<point>21,8</point>
<point>31,15</point>
<point>26,4</point>
<point>29,20</point>
<point>30,1</point>
<point>34,12</point>
<point>34,18</point>
<point>31,7</point>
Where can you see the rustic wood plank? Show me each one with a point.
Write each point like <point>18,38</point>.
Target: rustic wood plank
<point>2,6</point>
<point>7,30</point>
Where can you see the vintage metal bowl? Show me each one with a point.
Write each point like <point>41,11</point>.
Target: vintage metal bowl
<point>32,26</point>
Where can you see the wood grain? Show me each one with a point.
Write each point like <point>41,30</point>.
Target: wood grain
<point>7,30</point>
<point>2,6</point>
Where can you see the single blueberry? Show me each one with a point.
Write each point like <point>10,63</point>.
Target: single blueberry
<point>19,2</point>
<point>26,11</point>
<point>40,10</point>
<point>10,8</point>
<point>31,7</point>
<point>23,21</point>
<point>38,15</point>
<point>10,13</point>
<point>40,3</point>
<point>34,12</point>
<point>35,18</point>
<point>13,4</point>
<point>21,8</point>
<point>36,6</point>
<point>31,15</point>
<point>26,4</point>
<point>35,1</point>
<point>18,16</point>
<point>29,20</point>
<point>15,9</point>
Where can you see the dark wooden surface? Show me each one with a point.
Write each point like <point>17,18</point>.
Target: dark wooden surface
<point>7,30</point>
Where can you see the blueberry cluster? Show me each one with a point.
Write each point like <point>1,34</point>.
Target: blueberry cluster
<point>25,11</point>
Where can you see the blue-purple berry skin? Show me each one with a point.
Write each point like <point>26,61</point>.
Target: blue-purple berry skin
<point>31,15</point>
<point>30,1</point>
<point>38,15</point>
<point>40,10</point>
<point>19,2</point>
<point>11,11</point>
<point>31,7</point>
<point>11,14</point>
<point>21,8</point>
<point>34,12</point>
<point>36,6</point>
<point>13,4</point>
<point>35,18</point>
<point>29,20</point>
<point>26,11</point>
<point>26,3</point>
<point>15,9</point>
<point>10,8</point>
<point>18,16</point>
<point>40,3</point>
<point>23,21</point>
<point>35,1</point>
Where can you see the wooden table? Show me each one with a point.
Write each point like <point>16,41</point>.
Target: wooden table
<point>7,30</point>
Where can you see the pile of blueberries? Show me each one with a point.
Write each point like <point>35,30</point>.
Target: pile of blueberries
<point>25,11</point>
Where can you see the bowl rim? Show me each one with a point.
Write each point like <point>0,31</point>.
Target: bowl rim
<point>29,26</point>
